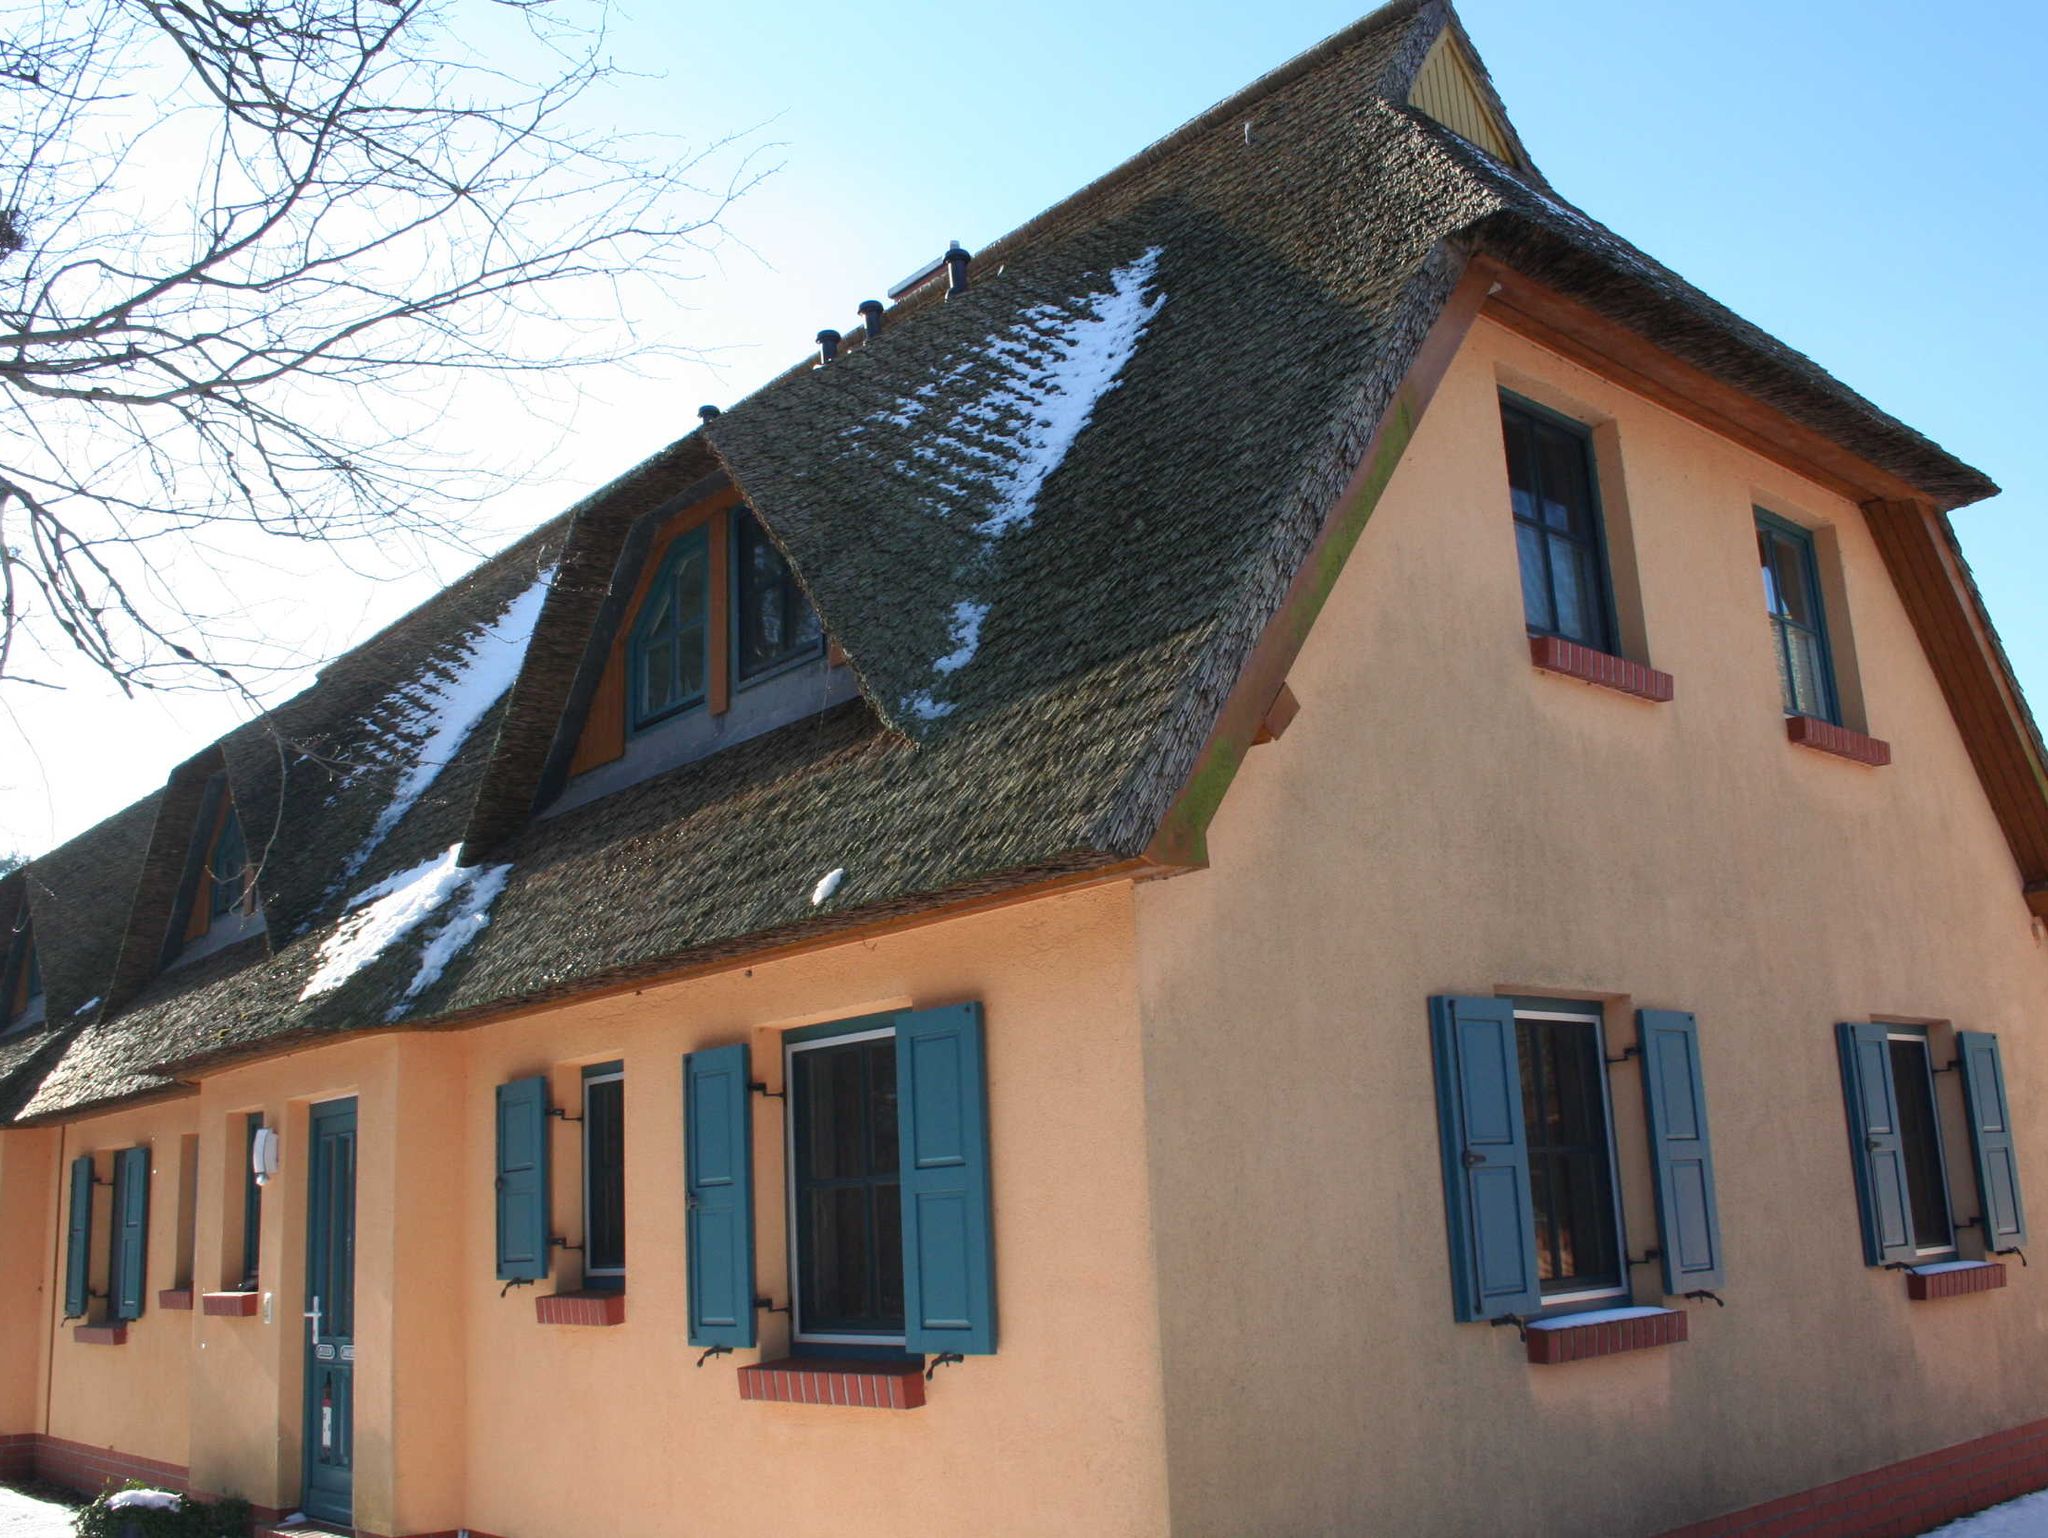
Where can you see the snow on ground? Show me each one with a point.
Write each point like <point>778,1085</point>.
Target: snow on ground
<point>2026,1517</point>
<point>383,915</point>
<point>1043,379</point>
<point>27,1516</point>
<point>436,714</point>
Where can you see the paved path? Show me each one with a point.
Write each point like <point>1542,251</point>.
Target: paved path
<point>23,1516</point>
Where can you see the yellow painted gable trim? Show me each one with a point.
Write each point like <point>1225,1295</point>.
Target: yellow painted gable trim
<point>1448,91</point>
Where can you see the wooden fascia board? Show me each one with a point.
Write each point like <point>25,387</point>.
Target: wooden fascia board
<point>1581,334</point>
<point>1181,842</point>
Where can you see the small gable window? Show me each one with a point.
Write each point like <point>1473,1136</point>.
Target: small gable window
<point>218,903</point>
<point>21,979</point>
<point>671,636</point>
<point>228,869</point>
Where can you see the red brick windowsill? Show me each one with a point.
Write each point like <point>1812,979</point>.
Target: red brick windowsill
<point>231,1305</point>
<point>1577,1337</point>
<point>1924,1284</point>
<point>814,1380</point>
<point>101,1334</point>
<point>1826,737</point>
<point>594,1308</point>
<point>176,1298</point>
<point>1554,654</point>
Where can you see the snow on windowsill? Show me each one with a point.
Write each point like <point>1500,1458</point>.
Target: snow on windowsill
<point>1597,1316</point>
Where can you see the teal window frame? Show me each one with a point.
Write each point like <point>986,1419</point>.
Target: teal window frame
<point>1773,531</point>
<point>227,868</point>
<point>1570,1294</point>
<point>1516,410</point>
<point>697,541</point>
<point>834,1340</point>
<point>612,1171</point>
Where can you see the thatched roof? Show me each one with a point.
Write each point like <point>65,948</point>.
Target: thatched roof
<point>1044,621</point>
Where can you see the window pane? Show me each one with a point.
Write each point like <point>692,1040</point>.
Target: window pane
<point>1795,582</point>
<point>1562,464</point>
<point>668,637</point>
<point>849,1230</point>
<point>1919,1134</point>
<point>1521,467</point>
<point>604,1152</point>
<point>1773,603</point>
<point>229,867</point>
<point>1570,1173</point>
<point>1550,483</point>
<point>774,621</point>
<point>1784,666</point>
<point>1807,672</point>
<point>1571,572</point>
<point>1536,608</point>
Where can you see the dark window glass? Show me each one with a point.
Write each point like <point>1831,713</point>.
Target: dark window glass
<point>1920,1141</point>
<point>604,1173</point>
<point>1557,529</point>
<point>228,868</point>
<point>668,650</point>
<point>773,622</point>
<point>1798,630</point>
<point>849,1215</point>
<point>1571,1175</point>
<point>252,1208</point>
<point>21,974</point>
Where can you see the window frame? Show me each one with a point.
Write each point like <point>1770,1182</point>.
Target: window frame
<point>1609,642</point>
<point>1582,1012</point>
<point>217,885</point>
<point>699,535</point>
<point>21,979</point>
<point>734,515</point>
<point>807,1038</point>
<point>1924,1254</point>
<point>252,1207</point>
<point>608,1278</point>
<point>1801,540</point>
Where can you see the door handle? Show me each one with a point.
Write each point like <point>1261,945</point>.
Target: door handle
<point>1873,1144</point>
<point>1474,1158</point>
<point>313,1314</point>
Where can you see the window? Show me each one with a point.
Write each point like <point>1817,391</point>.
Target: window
<point>702,632</point>
<point>1792,603</point>
<point>1920,1137</point>
<point>845,1189</point>
<point>228,868</point>
<point>1895,1135</point>
<point>21,978</point>
<point>604,1177</point>
<point>1558,539</point>
<point>1571,1157</point>
<point>252,1207</point>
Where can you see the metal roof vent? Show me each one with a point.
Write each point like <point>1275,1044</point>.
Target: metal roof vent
<point>706,413</point>
<point>871,315</point>
<point>828,346</point>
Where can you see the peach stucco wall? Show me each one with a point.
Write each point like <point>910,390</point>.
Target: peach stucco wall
<point>1443,818</point>
<point>28,1202</point>
<point>470,1413</point>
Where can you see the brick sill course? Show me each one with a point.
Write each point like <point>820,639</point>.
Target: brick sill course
<point>591,1308</point>
<point>1577,1338</point>
<point>101,1334</point>
<point>230,1305</point>
<point>821,1381</point>
<point>1926,1284</point>
<point>175,1297</point>
<point>1554,654</point>
<point>1826,737</point>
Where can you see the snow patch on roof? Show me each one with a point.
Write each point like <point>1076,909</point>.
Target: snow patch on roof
<point>383,915</point>
<point>89,1004</point>
<point>1043,378</point>
<point>436,714</point>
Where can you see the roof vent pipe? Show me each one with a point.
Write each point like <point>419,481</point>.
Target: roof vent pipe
<point>871,315</point>
<point>828,346</point>
<point>706,413</point>
<point>956,268</point>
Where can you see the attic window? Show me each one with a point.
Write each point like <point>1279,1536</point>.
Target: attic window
<point>1447,89</point>
<point>21,979</point>
<point>218,903</point>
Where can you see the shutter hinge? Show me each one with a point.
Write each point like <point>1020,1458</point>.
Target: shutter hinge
<point>1953,1064</point>
<point>766,1093</point>
<point>1703,1293</point>
<point>1519,1321</point>
<point>561,1115</point>
<point>2015,1250</point>
<point>517,1281</point>
<point>1626,1054</point>
<point>714,1351</point>
<point>943,1359</point>
<point>1646,1257</point>
<point>559,1243</point>
<point>768,1306</point>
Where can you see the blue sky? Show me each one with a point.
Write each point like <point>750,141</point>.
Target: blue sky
<point>1863,179</point>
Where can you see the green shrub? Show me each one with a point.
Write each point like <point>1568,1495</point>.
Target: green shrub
<point>190,1519</point>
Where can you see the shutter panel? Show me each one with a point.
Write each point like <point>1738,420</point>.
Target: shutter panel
<point>2002,1216</point>
<point>1681,1153</point>
<point>523,1180</point>
<point>1486,1158</point>
<point>78,1241</point>
<point>131,1231</point>
<point>718,1195</point>
<point>1875,1148</point>
<point>949,1298</point>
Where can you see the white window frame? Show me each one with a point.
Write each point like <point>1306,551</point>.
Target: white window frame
<point>616,1076</point>
<point>789,1051</point>
<point>1598,1021</point>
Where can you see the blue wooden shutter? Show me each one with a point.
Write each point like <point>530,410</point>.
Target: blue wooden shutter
<point>949,1280</point>
<point>523,1180</point>
<point>1486,1158</point>
<point>718,1195</point>
<point>1875,1148</point>
<point>131,1231</point>
<point>2002,1216</point>
<point>78,1240</point>
<point>1681,1153</point>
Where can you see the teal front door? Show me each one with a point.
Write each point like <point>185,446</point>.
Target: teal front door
<point>328,1492</point>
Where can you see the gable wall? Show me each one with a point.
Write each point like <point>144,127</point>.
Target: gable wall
<point>1443,818</point>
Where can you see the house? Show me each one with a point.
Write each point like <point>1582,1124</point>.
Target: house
<point>1306,851</point>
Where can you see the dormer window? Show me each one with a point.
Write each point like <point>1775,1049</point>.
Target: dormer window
<point>21,979</point>
<point>774,624</point>
<point>218,904</point>
<point>227,871</point>
<point>671,638</point>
